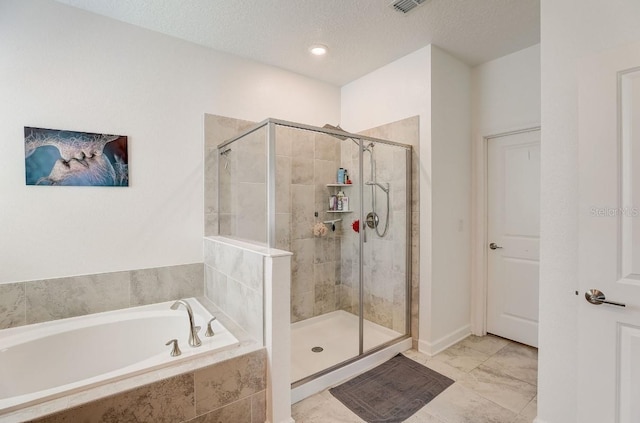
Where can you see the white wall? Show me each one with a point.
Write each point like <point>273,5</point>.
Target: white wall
<point>404,88</point>
<point>506,93</point>
<point>451,201</point>
<point>505,97</point>
<point>571,29</point>
<point>64,68</point>
<point>393,92</point>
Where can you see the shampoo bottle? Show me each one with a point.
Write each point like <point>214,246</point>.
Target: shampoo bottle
<point>341,178</point>
<point>340,196</point>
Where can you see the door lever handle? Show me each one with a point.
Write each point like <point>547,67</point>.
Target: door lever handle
<point>597,297</point>
<point>494,246</point>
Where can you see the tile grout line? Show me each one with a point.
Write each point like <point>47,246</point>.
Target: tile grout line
<point>516,414</point>
<point>504,373</point>
<point>418,358</point>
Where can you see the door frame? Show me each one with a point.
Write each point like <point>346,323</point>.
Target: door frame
<point>480,227</point>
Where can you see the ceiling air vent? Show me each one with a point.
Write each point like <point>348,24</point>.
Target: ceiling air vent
<point>405,6</point>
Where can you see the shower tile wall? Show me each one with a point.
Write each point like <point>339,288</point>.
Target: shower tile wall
<point>324,270</point>
<point>406,131</point>
<point>243,201</point>
<point>305,163</point>
<point>218,129</point>
<point>385,290</point>
<point>348,298</point>
<point>384,258</point>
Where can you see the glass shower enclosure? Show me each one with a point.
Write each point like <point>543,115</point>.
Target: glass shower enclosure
<point>340,203</point>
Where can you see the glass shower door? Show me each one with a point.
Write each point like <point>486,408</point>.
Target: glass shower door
<point>242,187</point>
<point>340,203</point>
<point>385,249</point>
<point>314,216</point>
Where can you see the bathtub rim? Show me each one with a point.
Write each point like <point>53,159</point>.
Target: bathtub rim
<point>149,363</point>
<point>53,405</point>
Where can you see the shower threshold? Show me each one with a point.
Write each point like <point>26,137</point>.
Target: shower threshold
<point>337,334</point>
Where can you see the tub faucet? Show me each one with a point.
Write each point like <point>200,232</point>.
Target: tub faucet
<point>194,341</point>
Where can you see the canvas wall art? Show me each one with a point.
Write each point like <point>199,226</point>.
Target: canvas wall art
<point>58,157</point>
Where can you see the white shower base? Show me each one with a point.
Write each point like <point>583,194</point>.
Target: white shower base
<point>337,334</point>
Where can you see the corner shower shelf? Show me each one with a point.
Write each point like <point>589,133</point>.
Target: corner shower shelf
<point>337,186</point>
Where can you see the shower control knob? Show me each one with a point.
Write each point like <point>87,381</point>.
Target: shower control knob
<point>372,220</point>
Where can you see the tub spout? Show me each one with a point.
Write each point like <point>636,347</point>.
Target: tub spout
<point>194,341</point>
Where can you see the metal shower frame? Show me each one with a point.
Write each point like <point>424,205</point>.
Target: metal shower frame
<point>271,124</point>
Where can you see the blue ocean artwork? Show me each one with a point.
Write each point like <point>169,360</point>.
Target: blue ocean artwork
<point>58,157</point>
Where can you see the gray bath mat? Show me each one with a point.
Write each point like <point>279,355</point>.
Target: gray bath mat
<point>391,392</point>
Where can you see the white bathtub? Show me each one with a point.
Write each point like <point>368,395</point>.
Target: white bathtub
<point>48,360</point>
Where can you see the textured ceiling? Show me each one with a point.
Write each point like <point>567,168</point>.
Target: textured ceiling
<point>362,35</point>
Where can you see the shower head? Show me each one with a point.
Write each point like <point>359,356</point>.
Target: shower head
<point>337,128</point>
<point>382,187</point>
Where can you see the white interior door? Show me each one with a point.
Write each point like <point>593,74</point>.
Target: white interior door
<point>609,237</point>
<point>513,233</point>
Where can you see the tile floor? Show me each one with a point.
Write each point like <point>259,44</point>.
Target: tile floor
<point>495,382</point>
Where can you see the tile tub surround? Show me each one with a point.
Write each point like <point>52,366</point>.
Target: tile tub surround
<point>37,301</point>
<point>167,394</point>
<point>233,391</point>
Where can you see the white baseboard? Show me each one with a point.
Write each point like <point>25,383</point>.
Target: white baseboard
<point>433,348</point>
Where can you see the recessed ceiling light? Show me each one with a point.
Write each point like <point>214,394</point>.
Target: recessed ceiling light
<point>318,49</point>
